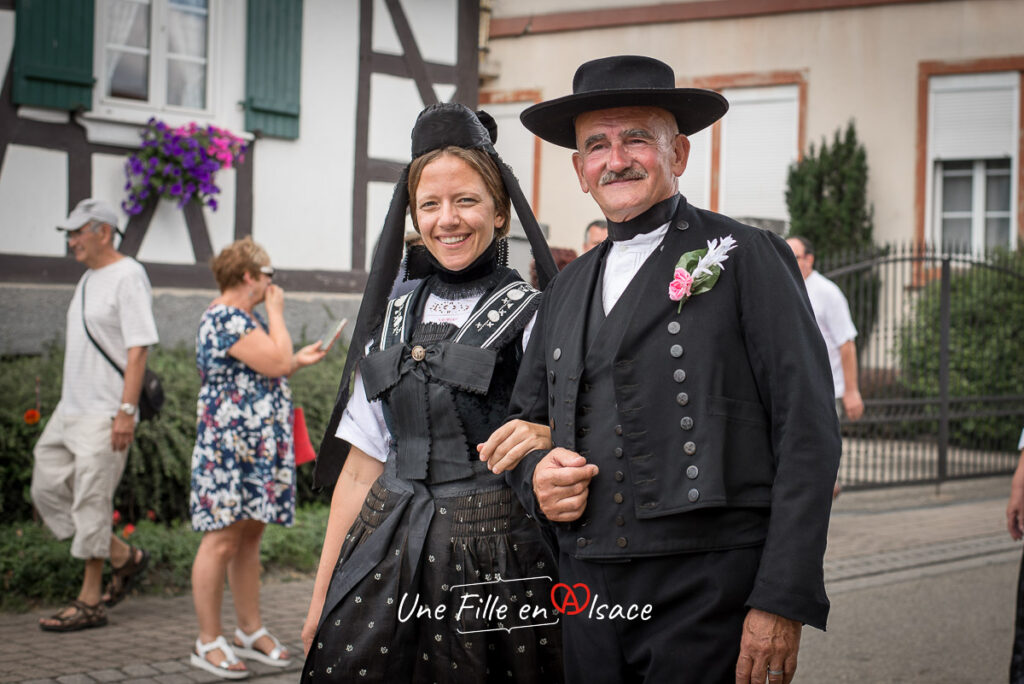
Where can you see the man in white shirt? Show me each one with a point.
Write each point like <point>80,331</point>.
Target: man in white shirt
<point>832,312</point>
<point>82,452</point>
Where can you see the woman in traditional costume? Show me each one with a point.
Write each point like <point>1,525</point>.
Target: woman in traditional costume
<point>426,543</point>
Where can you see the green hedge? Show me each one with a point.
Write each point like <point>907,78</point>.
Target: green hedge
<point>36,568</point>
<point>986,330</point>
<point>157,476</point>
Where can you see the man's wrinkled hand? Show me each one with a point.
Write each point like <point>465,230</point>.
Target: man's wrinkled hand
<point>768,649</point>
<point>511,442</point>
<point>561,483</point>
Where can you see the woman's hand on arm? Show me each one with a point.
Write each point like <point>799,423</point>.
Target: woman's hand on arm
<point>511,442</point>
<point>357,476</point>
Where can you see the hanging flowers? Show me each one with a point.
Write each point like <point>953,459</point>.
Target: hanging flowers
<point>179,164</point>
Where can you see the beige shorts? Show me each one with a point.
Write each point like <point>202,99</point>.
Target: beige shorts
<point>75,475</point>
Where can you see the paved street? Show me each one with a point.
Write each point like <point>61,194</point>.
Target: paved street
<point>922,582</point>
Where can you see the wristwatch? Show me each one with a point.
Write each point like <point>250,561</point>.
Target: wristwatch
<point>128,409</point>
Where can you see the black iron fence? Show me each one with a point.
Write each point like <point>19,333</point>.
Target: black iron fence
<point>941,363</point>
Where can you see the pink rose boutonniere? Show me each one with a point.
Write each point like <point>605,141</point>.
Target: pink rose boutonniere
<point>697,271</point>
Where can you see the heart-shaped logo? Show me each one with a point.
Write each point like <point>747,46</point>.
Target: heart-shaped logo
<point>569,603</point>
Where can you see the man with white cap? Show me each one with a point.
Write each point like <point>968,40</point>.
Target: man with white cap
<point>81,454</point>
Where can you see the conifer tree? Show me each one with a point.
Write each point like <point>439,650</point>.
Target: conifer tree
<point>827,197</point>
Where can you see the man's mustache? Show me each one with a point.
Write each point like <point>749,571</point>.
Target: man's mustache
<point>632,173</point>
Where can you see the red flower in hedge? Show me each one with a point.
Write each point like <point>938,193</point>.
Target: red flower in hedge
<point>31,417</point>
<point>151,514</point>
<point>117,517</point>
<point>129,529</point>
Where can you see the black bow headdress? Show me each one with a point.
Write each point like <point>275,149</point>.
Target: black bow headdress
<point>438,126</point>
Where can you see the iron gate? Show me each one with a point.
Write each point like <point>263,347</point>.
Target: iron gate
<point>941,364</point>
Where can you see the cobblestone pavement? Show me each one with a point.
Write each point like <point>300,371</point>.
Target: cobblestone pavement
<point>875,537</point>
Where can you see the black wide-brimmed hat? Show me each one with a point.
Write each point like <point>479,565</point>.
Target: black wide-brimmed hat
<point>623,81</point>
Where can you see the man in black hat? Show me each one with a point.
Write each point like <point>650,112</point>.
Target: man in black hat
<point>689,395</point>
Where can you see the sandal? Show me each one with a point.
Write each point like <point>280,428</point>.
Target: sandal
<point>83,616</point>
<point>124,578</point>
<point>247,649</point>
<point>221,670</point>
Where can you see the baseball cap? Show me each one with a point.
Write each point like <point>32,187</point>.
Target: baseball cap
<point>91,210</point>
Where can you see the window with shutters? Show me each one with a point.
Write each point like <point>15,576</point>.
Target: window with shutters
<point>153,54</point>
<point>972,147</point>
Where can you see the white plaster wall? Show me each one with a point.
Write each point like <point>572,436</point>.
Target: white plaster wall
<point>378,199</point>
<point>33,198</point>
<point>302,204</point>
<point>433,27</point>
<point>861,64</point>
<point>302,189</point>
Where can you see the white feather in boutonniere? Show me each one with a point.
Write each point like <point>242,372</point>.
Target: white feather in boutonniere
<point>697,271</point>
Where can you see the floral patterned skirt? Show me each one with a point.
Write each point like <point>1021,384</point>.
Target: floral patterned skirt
<point>437,585</point>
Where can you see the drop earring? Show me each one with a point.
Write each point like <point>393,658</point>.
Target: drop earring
<point>503,252</point>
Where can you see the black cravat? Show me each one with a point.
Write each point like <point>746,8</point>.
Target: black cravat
<point>658,215</point>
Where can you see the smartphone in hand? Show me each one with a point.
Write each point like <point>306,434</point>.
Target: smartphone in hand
<point>332,335</point>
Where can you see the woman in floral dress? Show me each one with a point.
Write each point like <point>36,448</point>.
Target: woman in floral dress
<point>243,465</point>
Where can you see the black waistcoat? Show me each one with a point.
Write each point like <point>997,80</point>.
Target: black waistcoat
<point>610,528</point>
<point>442,397</point>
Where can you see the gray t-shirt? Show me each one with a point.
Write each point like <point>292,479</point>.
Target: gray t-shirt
<point>119,312</point>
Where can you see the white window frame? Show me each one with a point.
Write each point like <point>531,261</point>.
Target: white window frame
<point>933,182</point>
<point>979,174</point>
<point>137,111</point>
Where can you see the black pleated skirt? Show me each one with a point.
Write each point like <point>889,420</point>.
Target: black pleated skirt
<point>440,584</point>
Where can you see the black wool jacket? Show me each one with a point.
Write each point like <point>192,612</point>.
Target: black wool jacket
<point>758,421</point>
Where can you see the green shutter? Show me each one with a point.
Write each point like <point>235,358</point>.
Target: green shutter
<point>272,67</point>
<point>53,48</point>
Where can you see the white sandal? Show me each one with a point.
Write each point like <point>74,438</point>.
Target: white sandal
<point>221,670</point>
<point>273,658</point>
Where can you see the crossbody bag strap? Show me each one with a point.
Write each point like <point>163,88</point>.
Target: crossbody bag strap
<point>93,339</point>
